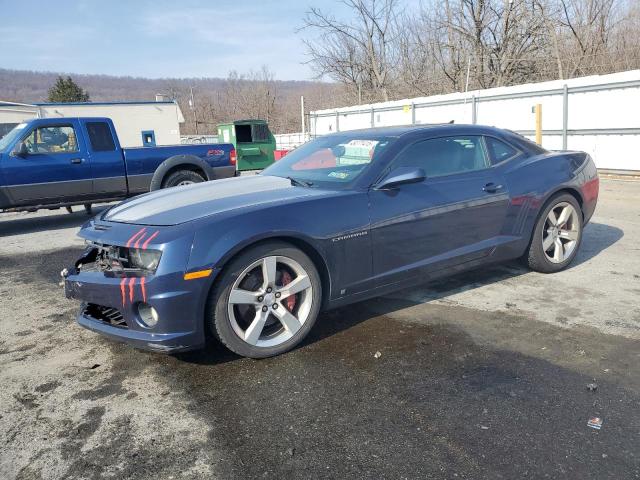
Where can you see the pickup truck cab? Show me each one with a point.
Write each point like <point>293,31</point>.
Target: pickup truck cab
<point>60,162</point>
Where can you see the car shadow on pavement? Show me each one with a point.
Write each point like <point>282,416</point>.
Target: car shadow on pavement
<point>214,353</point>
<point>12,224</point>
<point>596,238</point>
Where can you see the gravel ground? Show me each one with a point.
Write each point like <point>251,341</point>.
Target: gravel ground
<point>480,376</point>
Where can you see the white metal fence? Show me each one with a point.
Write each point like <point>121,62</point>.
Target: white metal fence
<point>190,139</point>
<point>598,114</point>
<point>289,141</point>
<point>284,141</point>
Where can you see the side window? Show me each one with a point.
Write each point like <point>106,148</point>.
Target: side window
<point>58,139</point>
<point>444,156</point>
<point>499,151</point>
<point>100,137</point>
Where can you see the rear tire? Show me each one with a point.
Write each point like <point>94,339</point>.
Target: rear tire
<point>266,301</point>
<point>557,235</point>
<point>182,177</point>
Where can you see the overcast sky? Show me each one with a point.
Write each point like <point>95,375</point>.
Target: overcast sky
<point>157,38</point>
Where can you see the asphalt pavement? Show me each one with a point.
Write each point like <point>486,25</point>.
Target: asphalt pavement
<point>491,374</point>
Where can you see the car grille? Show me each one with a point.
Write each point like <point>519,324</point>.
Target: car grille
<point>109,315</point>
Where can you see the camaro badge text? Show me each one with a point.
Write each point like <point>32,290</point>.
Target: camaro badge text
<point>349,236</point>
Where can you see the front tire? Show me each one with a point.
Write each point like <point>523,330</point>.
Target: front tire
<point>266,301</point>
<point>557,235</point>
<point>182,177</point>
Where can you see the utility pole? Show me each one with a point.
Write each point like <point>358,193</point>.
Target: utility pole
<point>302,113</point>
<point>538,112</point>
<point>192,105</point>
<point>466,83</point>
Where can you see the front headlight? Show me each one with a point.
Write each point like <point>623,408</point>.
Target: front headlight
<point>144,259</point>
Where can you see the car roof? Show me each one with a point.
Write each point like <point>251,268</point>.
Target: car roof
<point>400,130</point>
<point>67,119</point>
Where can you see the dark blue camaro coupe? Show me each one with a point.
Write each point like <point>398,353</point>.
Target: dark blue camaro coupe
<point>348,216</point>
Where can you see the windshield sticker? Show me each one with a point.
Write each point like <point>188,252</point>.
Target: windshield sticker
<point>340,175</point>
<point>369,144</point>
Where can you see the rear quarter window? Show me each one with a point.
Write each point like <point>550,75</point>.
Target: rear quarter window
<point>100,137</point>
<point>499,151</point>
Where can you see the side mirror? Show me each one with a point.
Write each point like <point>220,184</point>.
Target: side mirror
<point>400,176</point>
<point>21,150</point>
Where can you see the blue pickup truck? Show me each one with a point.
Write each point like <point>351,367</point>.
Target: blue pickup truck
<point>61,162</point>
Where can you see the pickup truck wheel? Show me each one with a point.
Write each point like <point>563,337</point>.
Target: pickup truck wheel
<point>88,209</point>
<point>182,177</point>
<point>266,301</point>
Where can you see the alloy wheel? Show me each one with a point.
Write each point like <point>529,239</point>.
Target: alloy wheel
<point>270,301</point>
<point>561,232</point>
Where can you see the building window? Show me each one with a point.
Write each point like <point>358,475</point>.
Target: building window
<point>148,138</point>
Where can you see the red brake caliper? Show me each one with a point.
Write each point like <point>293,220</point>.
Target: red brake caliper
<point>290,302</point>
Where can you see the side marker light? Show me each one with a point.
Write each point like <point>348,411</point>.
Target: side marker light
<point>198,274</point>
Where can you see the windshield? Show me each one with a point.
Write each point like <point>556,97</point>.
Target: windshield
<point>11,136</point>
<point>331,161</point>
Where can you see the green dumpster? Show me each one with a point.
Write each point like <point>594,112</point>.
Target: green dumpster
<point>253,141</point>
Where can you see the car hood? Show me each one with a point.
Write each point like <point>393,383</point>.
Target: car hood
<point>190,202</point>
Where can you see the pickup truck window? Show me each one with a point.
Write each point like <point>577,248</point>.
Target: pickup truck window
<point>100,137</point>
<point>58,139</point>
<point>11,136</point>
<point>6,128</point>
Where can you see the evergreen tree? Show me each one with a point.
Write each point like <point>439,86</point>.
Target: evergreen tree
<point>66,91</point>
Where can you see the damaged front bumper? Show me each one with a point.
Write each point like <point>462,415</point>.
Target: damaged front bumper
<point>107,310</point>
<point>113,302</point>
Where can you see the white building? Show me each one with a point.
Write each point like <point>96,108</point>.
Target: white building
<point>137,123</point>
<point>598,114</point>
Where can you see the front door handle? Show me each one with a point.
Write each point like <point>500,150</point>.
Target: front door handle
<point>491,187</point>
<point>77,160</point>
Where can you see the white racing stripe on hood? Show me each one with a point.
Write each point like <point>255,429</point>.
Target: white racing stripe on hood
<point>177,197</point>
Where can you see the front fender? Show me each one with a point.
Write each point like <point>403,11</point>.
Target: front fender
<point>213,248</point>
<point>175,161</point>
<point>312,225</point>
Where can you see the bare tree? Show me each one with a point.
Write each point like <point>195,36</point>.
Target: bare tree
<point>502,38</point>
<point>588,24</point>
<point>359,53</point>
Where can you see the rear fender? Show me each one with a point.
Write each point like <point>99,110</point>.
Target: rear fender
<point>533,181</point>
<point>189,161</point>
